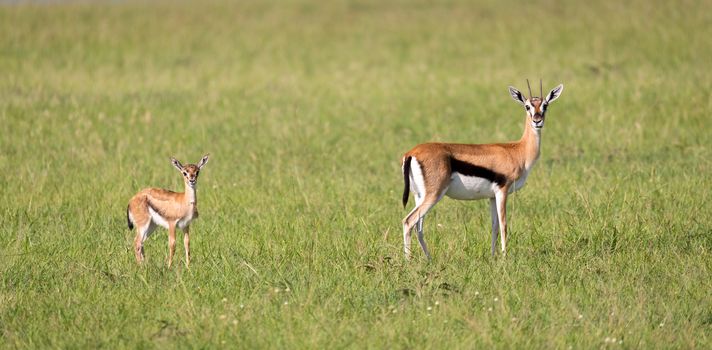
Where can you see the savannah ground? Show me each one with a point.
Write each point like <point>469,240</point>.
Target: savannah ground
<point>306,109</point>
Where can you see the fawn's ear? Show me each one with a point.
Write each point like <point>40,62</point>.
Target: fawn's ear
<point>516,95</point>
<point>177,164</point>
<point>554,93</point>
<point>203,161</point>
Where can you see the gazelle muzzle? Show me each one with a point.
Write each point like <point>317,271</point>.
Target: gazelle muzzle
<point>538,121</point>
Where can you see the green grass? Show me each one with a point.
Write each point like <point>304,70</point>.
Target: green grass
<point>306,109</point>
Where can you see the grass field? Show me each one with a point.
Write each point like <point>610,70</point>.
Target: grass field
<point>306,109</point>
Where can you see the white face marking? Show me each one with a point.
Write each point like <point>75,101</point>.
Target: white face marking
<point>470,187</point>
<point>530,114</point>
<point>529,108</point>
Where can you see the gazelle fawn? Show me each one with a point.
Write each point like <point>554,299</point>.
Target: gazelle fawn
<point>153,207</point>
<point>474,171</point>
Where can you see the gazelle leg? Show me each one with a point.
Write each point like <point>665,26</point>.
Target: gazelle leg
<point>186,244</point>
<point>419,226</point>
<point>407,228</point>
<point>501,199</point>
<point>426,197</point>
<point>138,245</point>
<point>421,238</point>
<point>495,223</point>
<point>171,243</point>
<point>142,232</point>
<point>415,218</point>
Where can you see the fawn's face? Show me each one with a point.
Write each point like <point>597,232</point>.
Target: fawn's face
<point>190,172</point>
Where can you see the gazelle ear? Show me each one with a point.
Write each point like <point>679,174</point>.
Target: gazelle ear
<point>203,161</point>
<point>554,93</point>
<point>177,164</point>
<point>516,95</point>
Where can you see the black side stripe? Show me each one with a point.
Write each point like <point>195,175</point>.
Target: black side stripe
<point>153,207</point>
<point>468,169</point>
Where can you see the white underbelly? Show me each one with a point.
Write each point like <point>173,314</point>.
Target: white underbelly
<point>157,218</point>
<point>470,187</point>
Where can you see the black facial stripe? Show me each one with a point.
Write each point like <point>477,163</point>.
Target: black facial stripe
<point>468,169</point>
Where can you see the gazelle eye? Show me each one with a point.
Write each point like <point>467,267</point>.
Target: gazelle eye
<point>185,174</point>
<point>527,107</point>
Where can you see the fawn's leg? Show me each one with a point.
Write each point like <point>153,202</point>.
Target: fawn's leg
<point>186,244</point>
<point>171,242</point>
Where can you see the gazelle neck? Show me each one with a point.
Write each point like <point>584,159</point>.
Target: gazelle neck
<point>531,143</point>
<point>191,196</point>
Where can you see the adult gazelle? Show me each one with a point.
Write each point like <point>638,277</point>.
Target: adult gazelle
<point>474,171</point>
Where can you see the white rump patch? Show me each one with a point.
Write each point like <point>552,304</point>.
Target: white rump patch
<point>470,187</point>
<point>417,182</point>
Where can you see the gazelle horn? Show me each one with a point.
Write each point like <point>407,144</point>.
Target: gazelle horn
<point>530,89</point>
